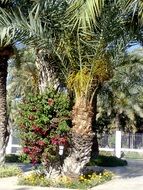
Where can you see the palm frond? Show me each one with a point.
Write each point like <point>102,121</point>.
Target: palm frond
<point>136,6</point>
<point>84,13</point>
<point>15,26</point>
<point>4,1</point>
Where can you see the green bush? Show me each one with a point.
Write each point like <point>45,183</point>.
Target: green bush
<point>108,161</point>
<point>8,171</point>
<point>81,182</point>
<point>12,158</point>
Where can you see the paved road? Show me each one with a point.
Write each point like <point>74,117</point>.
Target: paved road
<point>127,178</point>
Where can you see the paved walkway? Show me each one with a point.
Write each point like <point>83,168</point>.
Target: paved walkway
<point>127,178</point>
<point>122,184</point>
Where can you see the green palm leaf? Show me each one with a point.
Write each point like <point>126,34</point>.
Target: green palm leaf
<point>84,13</point>
<point>136,5</point>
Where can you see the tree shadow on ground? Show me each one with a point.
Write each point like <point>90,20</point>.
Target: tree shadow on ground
<point>26,167</point>
<point>133,169</point>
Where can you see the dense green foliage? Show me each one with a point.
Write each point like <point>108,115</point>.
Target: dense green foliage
<point>44,124</point>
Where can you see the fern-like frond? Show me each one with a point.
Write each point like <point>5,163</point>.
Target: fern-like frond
<point>136,6</point>
<point>84,13</point>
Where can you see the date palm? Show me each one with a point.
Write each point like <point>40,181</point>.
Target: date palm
<point>90,67</point>
<point>83,57</point>
<point>5,54</point>
<point>6,51</point>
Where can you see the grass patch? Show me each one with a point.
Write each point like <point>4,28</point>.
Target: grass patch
<point>82,182</point>
<point>8,171</point>
<point>108,161</point>
<point>133,155</point>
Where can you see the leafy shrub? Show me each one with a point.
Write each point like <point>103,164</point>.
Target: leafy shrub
<point>83,182</point>
<point>8,171</point>
<point>12,158</point>
<point>111,161</point>
<point>44,122</point>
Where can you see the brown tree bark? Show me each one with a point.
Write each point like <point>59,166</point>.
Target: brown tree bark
<point>82,137</point>
<point>48,75</point>
<point>4,134</point>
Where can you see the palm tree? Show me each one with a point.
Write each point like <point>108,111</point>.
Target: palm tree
<point>5,53</point>
<point>90,64</point>
<point>84,60</point>
<point>120,99</point>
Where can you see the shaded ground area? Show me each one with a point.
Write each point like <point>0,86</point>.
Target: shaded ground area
<point>122,184</point>
<point>133,169</point>
<point>127,178</point>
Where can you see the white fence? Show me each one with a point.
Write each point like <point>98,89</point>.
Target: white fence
<point>120,142</point>
<point>13,146</point>
<point>117,143</point>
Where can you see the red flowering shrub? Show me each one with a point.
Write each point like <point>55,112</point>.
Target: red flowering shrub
<point>43,122</point>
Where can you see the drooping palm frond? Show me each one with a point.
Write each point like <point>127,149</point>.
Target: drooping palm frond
<point>15,26</point>
<point>4,1</point>
<point>135,6</point>
<point>84,13</point>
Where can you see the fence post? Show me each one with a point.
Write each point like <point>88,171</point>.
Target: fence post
<point>118,144</point>
<point>9,145</point>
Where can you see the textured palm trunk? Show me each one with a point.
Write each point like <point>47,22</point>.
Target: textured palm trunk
<point>46,71</point>
<point>82,137</point>
<point>4,134</point>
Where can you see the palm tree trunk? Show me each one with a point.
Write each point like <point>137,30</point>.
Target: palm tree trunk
<point>82,137</point>
<point>4,134</point>
<point>46,69</point>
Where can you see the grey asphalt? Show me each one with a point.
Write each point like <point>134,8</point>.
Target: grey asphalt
<point>126,178</point>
